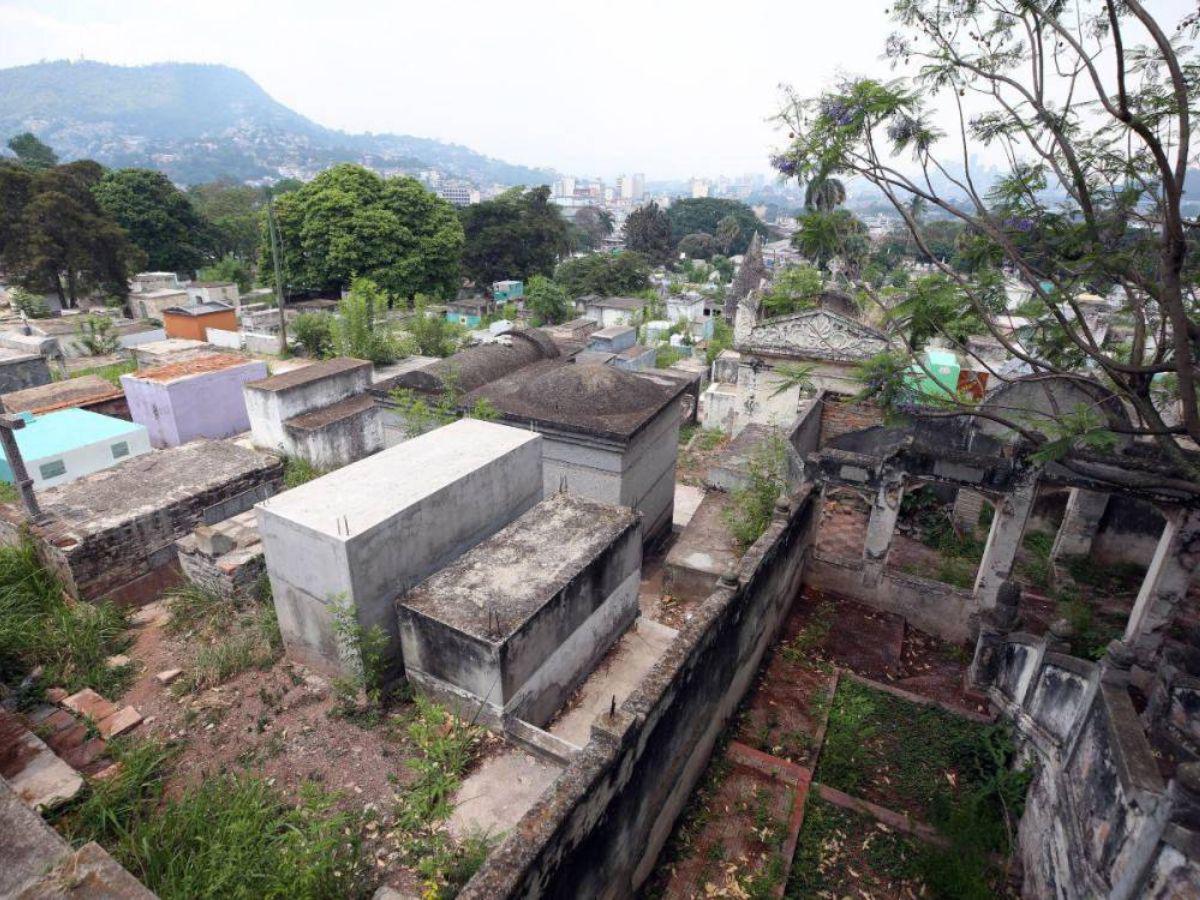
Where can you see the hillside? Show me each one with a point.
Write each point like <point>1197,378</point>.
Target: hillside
<point>202,122</point>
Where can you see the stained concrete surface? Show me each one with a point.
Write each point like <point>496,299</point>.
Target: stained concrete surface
<point>616,676</point>
<point>687,501</point>
<point>497,794</point>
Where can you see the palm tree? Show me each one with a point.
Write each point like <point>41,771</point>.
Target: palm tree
<point>824,193</point>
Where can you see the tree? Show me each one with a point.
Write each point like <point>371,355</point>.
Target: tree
<point>547,301</point>
<point>604,275</point>
<point>31,152</point>
<point>1092,107</point>
<point>55,237</point>
<point>314,332</point>
<point>517,235</point>
<point>699,246</point>
<point>648,232</point>
<point>229,268</point>
<point>704,214</point>
<point>157,216</point>
<point>836,234</point>
<point>824,193</point>
<point>349,222</point>
<point>360,329</point>
<point>234,216</point>
<point>729,234</point>
<point>591,226</point>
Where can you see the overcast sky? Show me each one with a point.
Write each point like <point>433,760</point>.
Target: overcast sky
<point>670,89</point>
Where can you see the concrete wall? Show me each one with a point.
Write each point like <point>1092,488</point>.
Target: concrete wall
<point>1099,821</point>
<point>259,342</point>
<point>269,409</point>
<point>533,671</point>
<point>599,828</point>
<point>230,340</point>
<point>205,405</point>
<point>367,533</point>
<point>343,441</point>
<point>23,372</point>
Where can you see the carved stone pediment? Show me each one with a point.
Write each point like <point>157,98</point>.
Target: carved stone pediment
<point>813,334</point>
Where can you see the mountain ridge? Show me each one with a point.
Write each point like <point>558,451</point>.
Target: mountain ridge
<point>203,121</point>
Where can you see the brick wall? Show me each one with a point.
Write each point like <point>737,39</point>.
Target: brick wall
<point>840,414</point>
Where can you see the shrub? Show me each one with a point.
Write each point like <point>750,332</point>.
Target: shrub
<point>359,329</point>
<point>98,336</point>
<point>751,506</point>
<point>314,333</point>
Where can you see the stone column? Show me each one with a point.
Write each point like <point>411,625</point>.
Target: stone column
<point>1008,525</point>
<point>994,627</point>
<point>968,507</point>
<point>1166,583</point>
<point>1080,522</point>
<point>881,528</point>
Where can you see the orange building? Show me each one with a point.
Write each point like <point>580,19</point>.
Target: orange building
<point>193,322</point>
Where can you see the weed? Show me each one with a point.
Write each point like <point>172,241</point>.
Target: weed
<point>243,633</point>
<point>298,471</point>
<point>39,626</point>
<point>111,373</point>
<point>750,508</point>
<point>359,693</point>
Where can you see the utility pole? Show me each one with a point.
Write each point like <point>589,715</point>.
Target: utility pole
<point>8,439</point>
<point>274,232</point>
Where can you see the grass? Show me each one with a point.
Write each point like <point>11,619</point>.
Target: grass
<point>1090,635</point>
<point>1035,567</point>
<point>959,553</point>
<point>9,492</point>
<point>297,471</point>
<point>842,854</point>
<point>445,746</point>
<point>226,836</point>
<point>111,373</point>
<point>41,629</point>
<point>238,633</point>
<point>953,773</point>
<point>750,506</point>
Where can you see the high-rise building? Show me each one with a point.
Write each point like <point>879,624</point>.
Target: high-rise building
<point>638,182</point>
<point>699,187</point>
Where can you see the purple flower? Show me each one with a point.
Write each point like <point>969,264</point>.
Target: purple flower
<point>784,164</point>
<point>836,111</point>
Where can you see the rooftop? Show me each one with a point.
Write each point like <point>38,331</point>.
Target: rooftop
<point>477,366</point>
<point>334,412</point>
<point>55,432</point>
<point>198,365</point>
<point>137,487</point>
<point>611,331</point>
<point>295,378</point>
<point>626,303</point>
<point>198,309</point>
<point>370,491</point>
<point>61,394</point>
<point>594,399</point>
<point>512,574</point>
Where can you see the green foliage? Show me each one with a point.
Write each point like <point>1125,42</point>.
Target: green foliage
<point>433,334</point>
<point>934,305</point>
<point>885,380</point>
<point>360,691</point>
<point>229,268</point>
<point>793,375</point>
<point>111,373</point>
<point>98,336</point>
<point>313,331</point>
<point>704,215</point>
<point>824,193</point>
<point>31,152</point>
<point>56,237</point>
<point>157,216</point>
<point>793,289</point>
<point>298,471</point>
<point>360,329</point>
<point>648,232</point>
<point>445,747</point>
<point>721,340</point>
<point>603,274</point>
<point>590,227</point>
<point>348,222</point>
<point>233,214</point>
<point>32,306</point>
<point>226,836</point>
<point>547,301</point>
<point>38,627</point>
<point>517,235</point>
<point>1079,428</point>
<point>823,236</point>
<point>750,508</point>
<point>699,246</point>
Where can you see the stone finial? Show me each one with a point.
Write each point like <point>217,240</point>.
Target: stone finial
<point>783,503</point>
<point>729,578</point>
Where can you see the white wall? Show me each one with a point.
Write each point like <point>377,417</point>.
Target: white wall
<point>85,460</point>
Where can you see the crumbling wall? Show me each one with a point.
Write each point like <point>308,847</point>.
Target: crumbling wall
<point>599,829</point>
<point>841,415</point>
<point>1098,819</point>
